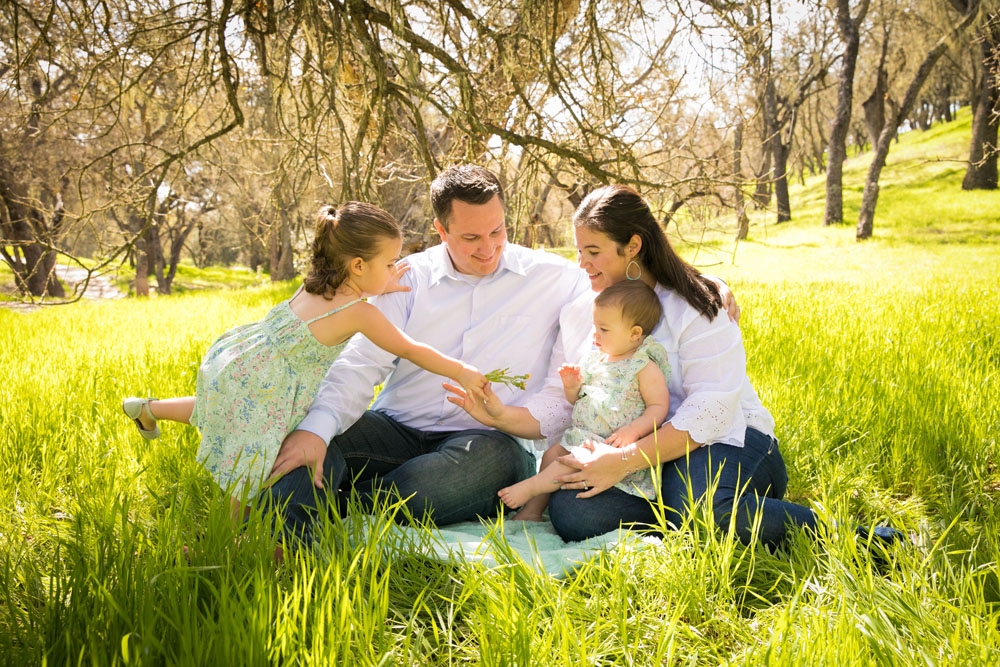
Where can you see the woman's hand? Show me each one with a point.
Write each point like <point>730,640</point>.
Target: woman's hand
<point>487,412</point>
<point>596,473</point>
<point>393,285</point>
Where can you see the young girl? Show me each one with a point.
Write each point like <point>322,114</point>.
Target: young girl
<point>258,380</point>
<point>618,397</point>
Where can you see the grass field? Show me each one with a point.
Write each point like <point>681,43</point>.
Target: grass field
<point>880,362</point>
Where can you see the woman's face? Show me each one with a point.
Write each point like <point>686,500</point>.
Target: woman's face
<point>600,257</point>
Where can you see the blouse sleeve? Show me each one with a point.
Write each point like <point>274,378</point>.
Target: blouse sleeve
<point>549,405</point>
<point>712,371</point>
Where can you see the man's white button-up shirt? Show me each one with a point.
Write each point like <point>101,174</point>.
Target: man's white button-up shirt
<point>508,319</point>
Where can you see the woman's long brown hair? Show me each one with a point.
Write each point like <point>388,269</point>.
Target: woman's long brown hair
<point>619,212</point>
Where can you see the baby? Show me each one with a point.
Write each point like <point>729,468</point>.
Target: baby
<point>618,396</point>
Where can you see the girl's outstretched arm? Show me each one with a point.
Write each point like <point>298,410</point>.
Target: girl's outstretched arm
<point>653,388</point>
<point>374,326</point>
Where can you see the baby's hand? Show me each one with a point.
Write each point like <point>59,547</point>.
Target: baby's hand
<point>473,382</point>
<point>571,376</point>
<point>393,284</point>
<point>623,437</point>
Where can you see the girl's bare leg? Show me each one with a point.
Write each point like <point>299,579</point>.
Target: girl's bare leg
<point>174,409</point>
<point>532,494</point>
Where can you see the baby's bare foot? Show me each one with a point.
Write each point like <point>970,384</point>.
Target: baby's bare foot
<point>517,495</point>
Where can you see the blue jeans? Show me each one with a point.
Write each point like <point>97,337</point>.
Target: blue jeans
<point>746,480</point>
<point>446,476</point>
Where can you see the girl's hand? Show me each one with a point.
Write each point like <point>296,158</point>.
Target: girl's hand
<point>473,382</point>
<point>598,473</point>
<point>487,412</point>
<point>393,285</point>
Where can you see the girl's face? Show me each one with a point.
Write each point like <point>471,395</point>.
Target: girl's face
<point>603,260</point>
<point>612,334</point>
<point>380,269</point>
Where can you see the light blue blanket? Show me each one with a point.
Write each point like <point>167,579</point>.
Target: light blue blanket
<point>493,544</point>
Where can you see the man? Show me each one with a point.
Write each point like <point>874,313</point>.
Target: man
<point>474,297</point>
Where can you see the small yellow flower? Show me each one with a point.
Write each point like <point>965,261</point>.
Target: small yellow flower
<point>503,376</point>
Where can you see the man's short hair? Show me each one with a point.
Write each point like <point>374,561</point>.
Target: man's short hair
<point>638,303</point>
<point>467,183</point>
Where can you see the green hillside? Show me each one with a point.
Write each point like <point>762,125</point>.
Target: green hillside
<point>924,219</point>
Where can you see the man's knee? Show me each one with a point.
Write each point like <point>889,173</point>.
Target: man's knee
<point>497,457</point>
<point>294,502</point>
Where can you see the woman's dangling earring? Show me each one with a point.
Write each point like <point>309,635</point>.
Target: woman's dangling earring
<point>638,268</point>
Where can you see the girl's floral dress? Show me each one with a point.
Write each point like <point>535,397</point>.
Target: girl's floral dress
<point>610,399</point>
<point>255,385</point>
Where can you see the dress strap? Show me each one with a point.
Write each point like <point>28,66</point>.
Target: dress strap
<point>335,310</point>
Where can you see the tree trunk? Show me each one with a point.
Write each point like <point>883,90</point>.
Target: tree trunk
<point>279,238</point>
<point>762,193</point>
<point>24,228</point>
<point>874,107</point>
<point>866,217</point>
<point>156,263</point>
<point>982,171</point>
<point>280,249</point>
<point>176,248</point>
<point>141,266</point>
<point>742,219</point>
<point>781,199</point>
<point>837,148</point>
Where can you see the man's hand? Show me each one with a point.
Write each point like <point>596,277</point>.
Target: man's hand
<point>486,412</point>
<point>300,448</point>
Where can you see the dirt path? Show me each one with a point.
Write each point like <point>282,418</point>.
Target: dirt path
<point>99,287</point>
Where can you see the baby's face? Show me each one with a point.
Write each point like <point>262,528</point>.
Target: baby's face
<point>612,334</point>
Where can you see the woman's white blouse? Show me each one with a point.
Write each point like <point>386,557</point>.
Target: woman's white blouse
<point>710,394</point>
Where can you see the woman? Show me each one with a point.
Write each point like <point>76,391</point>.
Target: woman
<point>717,435</point>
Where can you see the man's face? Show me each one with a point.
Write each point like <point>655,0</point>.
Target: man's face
<point>475,236</point>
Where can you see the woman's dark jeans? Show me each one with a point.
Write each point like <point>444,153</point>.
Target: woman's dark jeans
<point>748,480</point>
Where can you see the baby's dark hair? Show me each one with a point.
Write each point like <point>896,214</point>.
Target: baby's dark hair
<point>637,301</point>
<point>353,230</point>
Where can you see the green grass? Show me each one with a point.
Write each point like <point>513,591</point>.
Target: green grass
<point>880,362</point>
<point>191,278</point>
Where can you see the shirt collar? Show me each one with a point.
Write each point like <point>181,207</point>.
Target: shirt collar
<point>442,266</point>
